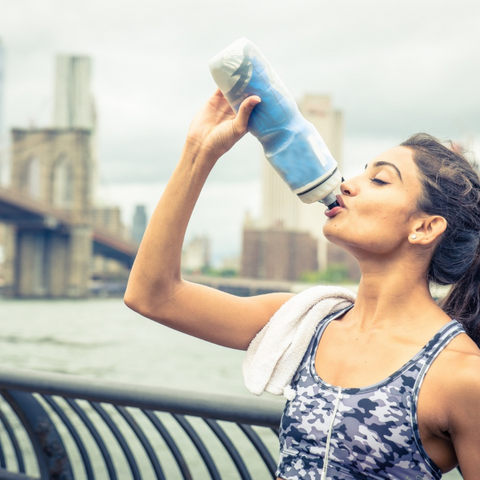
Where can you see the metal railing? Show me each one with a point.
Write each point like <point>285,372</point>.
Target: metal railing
<point>63,427</point>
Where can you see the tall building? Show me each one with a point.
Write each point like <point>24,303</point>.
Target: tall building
<point>74,105</point>
<point>73,98</point>
<point>139,223</point>
<point>275,253</point>
<point>196,254</point>
<point>2,106</point>
<point>2,83</point>
<point>109,220</point>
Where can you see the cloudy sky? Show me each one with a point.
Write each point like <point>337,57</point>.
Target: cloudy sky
<point>393,67</point>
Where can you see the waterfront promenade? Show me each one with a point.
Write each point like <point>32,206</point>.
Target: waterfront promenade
<point>102,340</point>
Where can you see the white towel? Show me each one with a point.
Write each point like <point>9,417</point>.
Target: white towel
<point>276,351</point>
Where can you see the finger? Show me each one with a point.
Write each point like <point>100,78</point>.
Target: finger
<point>244,112</point>
<point>219,101</point>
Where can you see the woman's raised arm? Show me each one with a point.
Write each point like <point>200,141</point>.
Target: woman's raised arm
<point>155,288</point>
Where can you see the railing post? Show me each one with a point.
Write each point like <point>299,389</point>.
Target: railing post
<point>52,457</point>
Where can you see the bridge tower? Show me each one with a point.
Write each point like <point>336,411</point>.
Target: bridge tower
<point>52,166</point>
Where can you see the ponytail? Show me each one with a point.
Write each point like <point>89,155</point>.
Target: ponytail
<point>463,301</point>
<point>451,188</point>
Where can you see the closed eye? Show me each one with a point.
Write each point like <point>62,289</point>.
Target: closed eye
<point>377,181</point>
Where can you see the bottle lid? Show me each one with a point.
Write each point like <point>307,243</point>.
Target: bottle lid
<point>322,192</point>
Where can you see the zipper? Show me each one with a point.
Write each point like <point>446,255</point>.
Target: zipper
<point>329,436</point>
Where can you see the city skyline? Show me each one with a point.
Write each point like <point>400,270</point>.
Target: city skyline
<point>2,87</point>
<point>391,71</point>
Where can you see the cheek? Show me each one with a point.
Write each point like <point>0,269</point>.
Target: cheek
<point>377,229</point>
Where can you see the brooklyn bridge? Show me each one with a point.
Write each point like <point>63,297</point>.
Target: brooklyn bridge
<point>53,232</point>
<point>50,234</point>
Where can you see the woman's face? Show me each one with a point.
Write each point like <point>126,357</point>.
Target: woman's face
<point>378,206</point>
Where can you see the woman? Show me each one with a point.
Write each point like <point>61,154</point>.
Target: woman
<point>411,217</point>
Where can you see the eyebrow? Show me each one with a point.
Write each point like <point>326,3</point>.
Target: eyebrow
<point>387,164</point>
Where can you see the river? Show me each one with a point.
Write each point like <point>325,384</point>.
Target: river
<point>102,338</point>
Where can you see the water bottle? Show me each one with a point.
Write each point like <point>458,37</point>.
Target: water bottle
<point>291,144</point>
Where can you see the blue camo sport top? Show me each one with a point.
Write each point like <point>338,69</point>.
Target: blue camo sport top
<point>334,433</point>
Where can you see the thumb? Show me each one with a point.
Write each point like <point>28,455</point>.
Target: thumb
<point>243,115</point>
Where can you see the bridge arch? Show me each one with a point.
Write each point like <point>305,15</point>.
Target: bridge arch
<point>62,179</point>
<point>52,255</point>
<point>30,182</point>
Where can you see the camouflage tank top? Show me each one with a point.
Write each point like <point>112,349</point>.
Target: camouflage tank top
<point>334,433</point>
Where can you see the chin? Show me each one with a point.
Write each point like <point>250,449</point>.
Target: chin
<point>332,232</point>
<point>351,245</point>
<point>335,238</point>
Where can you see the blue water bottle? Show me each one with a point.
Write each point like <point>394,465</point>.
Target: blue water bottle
<point>291,144</point>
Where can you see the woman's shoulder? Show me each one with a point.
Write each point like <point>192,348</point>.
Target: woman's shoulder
<point>456,368</point>
<point>461,395</point>
<point>463,349</point>
<point>460,364</point>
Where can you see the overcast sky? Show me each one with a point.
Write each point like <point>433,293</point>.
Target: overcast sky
<point>393,67</point>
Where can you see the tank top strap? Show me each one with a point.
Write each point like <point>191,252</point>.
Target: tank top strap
<point>322,325</point>
<point>431,351</point>
<point>436,345</point>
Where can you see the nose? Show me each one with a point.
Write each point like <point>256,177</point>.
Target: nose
<point>348,188</point>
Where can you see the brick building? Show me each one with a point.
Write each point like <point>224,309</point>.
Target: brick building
<point>277,254</point>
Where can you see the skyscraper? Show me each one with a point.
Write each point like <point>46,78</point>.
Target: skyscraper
<point>139,223</point>
<point>196,254</point>
<point>2,107</point>
<point>2,82</point>
<point>74,104</point>
<point>73,98</point>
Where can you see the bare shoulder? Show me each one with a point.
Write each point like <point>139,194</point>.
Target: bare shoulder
<point>461,368</point>
<point>462,355</point>
<point>461,387</point>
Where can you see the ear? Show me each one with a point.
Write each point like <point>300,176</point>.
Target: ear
<point>426,230</point>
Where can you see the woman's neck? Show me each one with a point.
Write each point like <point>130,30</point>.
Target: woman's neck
<point>394,296</point>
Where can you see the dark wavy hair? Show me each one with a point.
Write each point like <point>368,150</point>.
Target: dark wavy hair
<point>451,188</point>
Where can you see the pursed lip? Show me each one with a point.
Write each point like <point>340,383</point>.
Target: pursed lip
<point>340,201</point>
<point>336,210</point>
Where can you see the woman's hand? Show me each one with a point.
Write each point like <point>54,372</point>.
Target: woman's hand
<point>216,128</point>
